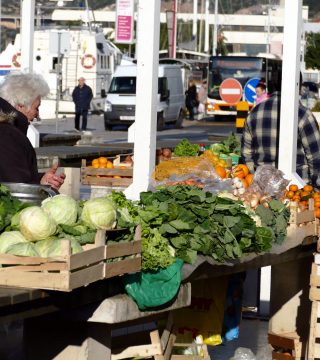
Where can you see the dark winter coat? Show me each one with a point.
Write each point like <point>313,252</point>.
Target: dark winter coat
<point>82,97</point>
<point>18,162</point>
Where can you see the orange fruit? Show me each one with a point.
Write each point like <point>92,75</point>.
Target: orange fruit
<point>293,188</point>
<point>102,160</point>
<point>221,171</point>
<point>296,198</point>
<point>95,162</point>
<point>308,188</point>
<point>109,165</point>
<point>316,195</point>
<point>317,212</point>
<point>289,194</point>
<point>249,179</point>
<point>117,177</point>
<point>317,204</point>
<point>305,194</point>
<point>240,171</point>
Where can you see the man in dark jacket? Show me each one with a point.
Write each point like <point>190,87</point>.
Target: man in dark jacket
<point>82,96</point>
<point>20,98</point>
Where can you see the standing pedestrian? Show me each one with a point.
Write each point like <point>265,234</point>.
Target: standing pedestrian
<point>261,91</point>
<point>192,102</point>
<point>202,98</point>
<point>82,96</point>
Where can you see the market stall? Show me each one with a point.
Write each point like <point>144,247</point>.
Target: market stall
<point>215,234</point>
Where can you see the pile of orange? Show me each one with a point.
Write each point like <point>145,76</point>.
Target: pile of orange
<point>242,172</point>
<point>102,163</point>
<point>302,196</point>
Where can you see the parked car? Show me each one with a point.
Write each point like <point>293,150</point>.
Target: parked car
<point>120,102</point>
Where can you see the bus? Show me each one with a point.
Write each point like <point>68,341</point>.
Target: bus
<point>241,68</point>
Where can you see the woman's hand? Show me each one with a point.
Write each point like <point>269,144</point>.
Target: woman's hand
<point>50,178</point>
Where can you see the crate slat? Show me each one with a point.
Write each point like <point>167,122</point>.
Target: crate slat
<point>124,266</point>
<point>123,249</point>
<point>86,276</point>
<point>87,257</point>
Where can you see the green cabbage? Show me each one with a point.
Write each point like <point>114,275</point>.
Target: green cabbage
<point>99,213</point>
<point>63,209</point>
<point>23,249</point>
<point>35,224</point>
<point>9,238</point>
<point>52,247</point>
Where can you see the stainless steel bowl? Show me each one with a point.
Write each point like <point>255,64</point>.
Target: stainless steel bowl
<point>30,193</point>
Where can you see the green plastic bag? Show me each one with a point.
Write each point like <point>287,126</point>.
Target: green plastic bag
<point>153,289</point>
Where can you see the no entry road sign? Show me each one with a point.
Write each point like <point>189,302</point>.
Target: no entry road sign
<point>230,91</point>
<point>250,90</point>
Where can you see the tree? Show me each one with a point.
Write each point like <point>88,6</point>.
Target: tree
<point>312,56</point>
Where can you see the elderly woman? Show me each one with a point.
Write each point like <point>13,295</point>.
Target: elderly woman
<point>20,98</point>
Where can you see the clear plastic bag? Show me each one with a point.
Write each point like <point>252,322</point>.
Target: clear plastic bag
<point>270,181</point>
<point>243,354</point>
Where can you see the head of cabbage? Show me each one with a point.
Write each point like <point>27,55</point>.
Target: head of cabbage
<point>99,213</point>
<point>9,238</point>
<point>63,209</point>
<point>53,247</point>
<point>35,224</point>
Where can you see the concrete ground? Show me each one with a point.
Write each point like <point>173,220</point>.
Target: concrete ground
<point>253,336</point>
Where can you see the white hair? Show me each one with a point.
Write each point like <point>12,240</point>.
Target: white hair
<point>23,89</point>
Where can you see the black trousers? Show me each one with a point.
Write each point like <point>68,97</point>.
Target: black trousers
<point>84,114</point>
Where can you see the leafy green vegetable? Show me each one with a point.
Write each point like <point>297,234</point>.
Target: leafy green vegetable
<point>185,148</point>
<point>231,145</point>
<point>155,250</point>
<point>9,206</point>
<point>202,223</point>
<point>276,216</point>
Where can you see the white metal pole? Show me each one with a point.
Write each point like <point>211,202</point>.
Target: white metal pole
<point>195,22</point>
<point>146,96</point>
<point>27,31</point>
<point>174,29</point>
<point>206,34</point>
<point>215,28</point>
<point>290,89</point>
<point>0,21</point>
<point>201,25</point>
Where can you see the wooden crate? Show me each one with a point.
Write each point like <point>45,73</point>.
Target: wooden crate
<point>314,295</point>
<point>106,177</point>
<point>64,273</point>
<point>126,265</point>
<point>71,271</point>
<point>160,347</point>
<point>284,344</point>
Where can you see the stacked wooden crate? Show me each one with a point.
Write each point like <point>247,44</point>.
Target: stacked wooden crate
<point>70,271</point>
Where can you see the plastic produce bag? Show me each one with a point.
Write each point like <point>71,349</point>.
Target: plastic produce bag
<point>243,354</point>
<point>269,180</point>
<point>153,289</point>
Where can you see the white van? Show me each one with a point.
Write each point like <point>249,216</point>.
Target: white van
<point>121,98</point>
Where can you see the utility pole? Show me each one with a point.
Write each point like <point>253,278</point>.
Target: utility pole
<point>174,30</point>
<point>201,23</point>
<point>195,23</point>
<point>206,36</point>
<point>27,32</point>
<point>215,28</point>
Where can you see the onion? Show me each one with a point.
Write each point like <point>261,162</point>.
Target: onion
<point>166,153</point>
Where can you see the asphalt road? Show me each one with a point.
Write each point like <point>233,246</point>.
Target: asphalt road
<point>196,131</point>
